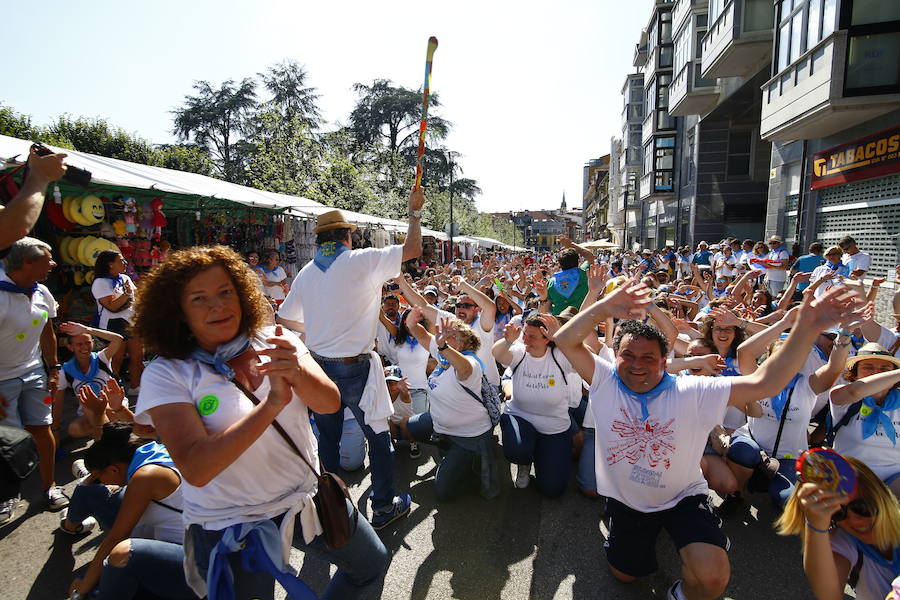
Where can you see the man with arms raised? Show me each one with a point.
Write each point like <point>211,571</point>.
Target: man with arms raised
<point>336,298</point>
<point>651,432</point>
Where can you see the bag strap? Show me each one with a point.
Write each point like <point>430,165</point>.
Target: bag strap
<point>851,412</point>
<point>275,424</point>
<point>561,372</point>
<point>164,505</point>
<point>787,406</point>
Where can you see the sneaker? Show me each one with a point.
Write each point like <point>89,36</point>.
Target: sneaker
<point>85,526</point>
<point>731,504</point>
<point>7,509</point>
<point>414,451</point>
<point>675,592</point>
<point>57,498</point>
<point>79,471</point>
<point>523,476</point>
<point>400,509</point>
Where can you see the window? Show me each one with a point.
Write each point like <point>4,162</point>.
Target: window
<point>715,9</point>
<point>874,11</point>
<point>634,136</point>
<point>873,61</point>
<point>740,143</point>
<point>801,25</point>
<point>758,15</point>
<point>648,158</point>
<point>664,163</point>
<point>690,156</point>
<point>665,27</point>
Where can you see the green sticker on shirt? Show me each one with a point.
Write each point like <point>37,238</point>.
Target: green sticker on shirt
<point>208,405</point>
<point>35,322</point>
<point>21,336</point>
<point>865,411</point>
<point>44,315</point>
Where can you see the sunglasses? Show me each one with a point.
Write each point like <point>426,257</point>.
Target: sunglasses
<point>858,506</point>
<point>466,305</point>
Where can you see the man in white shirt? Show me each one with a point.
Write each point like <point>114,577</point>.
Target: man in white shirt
<point>777,269</point>
<point>26,336</point>
<point>335,299</point>
<point>856,260</point>
<point>651,433</point>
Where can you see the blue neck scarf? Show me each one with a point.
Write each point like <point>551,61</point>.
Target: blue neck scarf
<point>665,384</point>
<point>268,271</point>
<point>117,280</point>
<point>224,353</point>
<point>327,253</point>
<point>779,401</point>
<point>152,453</point>
<point>873,415</point>
<point>8,286</point>
<point>821,354</point>
<point>875,555</point>
<point>566,281</point>
<point>731,368</point>
<point>444,364</point>
<point>72,369</point>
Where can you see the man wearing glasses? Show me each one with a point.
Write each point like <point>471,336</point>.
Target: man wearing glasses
<point>777,266</point>
<point>854,259</point>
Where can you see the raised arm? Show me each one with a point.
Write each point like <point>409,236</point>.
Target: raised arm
<point>867,386</point>
<point>500,349</point>
<point>627,302</point>
<point>412,247</point>
<point>837,306</point>
<point>583,252</point>
<point>488,308</point>
<point>825,376</point>
<point>115,340</point>
<point>755,346</point>
<point>22,212</point>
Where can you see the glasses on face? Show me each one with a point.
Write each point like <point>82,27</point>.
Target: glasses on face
<point>859,506</point>
<point>723,329</point>
<point>465,305</point>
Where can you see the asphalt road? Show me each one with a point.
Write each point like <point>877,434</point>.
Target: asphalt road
<point>516,546</point>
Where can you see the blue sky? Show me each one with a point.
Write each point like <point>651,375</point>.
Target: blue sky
<point>532,88</point>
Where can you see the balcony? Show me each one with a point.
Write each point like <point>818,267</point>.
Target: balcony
<point>807,100</point>
<point>640,55</point>
<point>682,10</point>
<point>739,42</point>
<point>691,94</point>
<point>649,190</point>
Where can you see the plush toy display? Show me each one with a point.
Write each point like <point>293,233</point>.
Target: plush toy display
<point>159,218</point>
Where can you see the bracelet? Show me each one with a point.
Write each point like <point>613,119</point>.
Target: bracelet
<point>442,348</point>
<point>845,333</point>
<point>816,529</point>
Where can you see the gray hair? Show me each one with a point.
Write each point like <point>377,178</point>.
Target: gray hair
<point>25,248</point>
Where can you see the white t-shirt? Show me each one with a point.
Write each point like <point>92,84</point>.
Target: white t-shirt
<point>413,362</point>
<point>453,411</point>
<point>386,346</point>
<point>877,451</point>
<point>62,380</point>
<point>22,321</point>
<point>728,265</point>
<point>275,292</point>
<point>874,580</point>
<point>339,307</point>
<point>793,438</point>
<point>540,395</point>
<point>857,262</point>
<point>259,484</point>
<point>652,465</point>
<point>887,339</point>
<point>780,254</point>
<point>401,410</point>
<point>104,287</point>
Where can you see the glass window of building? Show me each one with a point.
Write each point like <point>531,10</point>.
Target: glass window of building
<point>874,11</point>
<point>740,146</point>
<point>801,25</point>
<point>715,9</point>
<point>758,15</point>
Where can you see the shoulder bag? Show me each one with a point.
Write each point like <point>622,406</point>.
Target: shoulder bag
<point>331,496</point>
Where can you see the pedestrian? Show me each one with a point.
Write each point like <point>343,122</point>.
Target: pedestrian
<point>219,383</point>
<point>856,261</point>
<point>114,293</point>
<point>29,344</point>
<point>274,278</point>
<point>777,263</point>
<point>335,298</point>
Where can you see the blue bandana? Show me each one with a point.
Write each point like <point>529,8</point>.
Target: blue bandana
<point>875,555</point>
<point>566,281</point>
<point>444,364</point>
<point>117,280</point>
<point>731,368</point>
<point>327,253</point>
<point>72,369</point>
<point>666,383</point>
<point>224,353</point>
<point>780,400</point>
<point>873,415</point>
<point>8,286</point>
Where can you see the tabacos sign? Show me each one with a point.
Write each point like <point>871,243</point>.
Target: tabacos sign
<point>872,156</point>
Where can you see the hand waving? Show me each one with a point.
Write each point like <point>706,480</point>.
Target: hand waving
<point>629,301</point>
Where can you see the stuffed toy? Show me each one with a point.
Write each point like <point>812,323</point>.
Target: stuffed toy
<point>164,247</point>
<point>146,223</point>
<point>159,218</point>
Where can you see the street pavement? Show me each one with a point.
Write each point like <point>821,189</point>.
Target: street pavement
<point>517,546</point>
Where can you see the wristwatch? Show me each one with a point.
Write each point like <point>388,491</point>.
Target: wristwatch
<point>56,367</point>
<point>442,348</point>
<point>416,214</point>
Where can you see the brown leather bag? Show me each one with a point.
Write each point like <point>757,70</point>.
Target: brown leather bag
<point>331,496</point>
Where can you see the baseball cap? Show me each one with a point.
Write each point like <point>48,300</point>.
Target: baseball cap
<point>430,289</point>
<point>393,373</point>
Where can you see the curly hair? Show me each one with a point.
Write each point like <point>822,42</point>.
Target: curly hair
<point>158,318</point>
<point>467,335</point>
<point>706,334</point>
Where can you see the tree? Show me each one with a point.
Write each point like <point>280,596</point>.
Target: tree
<point>284,157</point>
<point>216,119</point>
<point>182,157</point>
<point>97,136</point>
<point>291,97</point>
<point>18,125</point>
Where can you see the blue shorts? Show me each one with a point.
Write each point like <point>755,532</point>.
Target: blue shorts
<point>26,399</point>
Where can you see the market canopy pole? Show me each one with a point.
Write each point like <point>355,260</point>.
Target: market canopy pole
<point>423,124</point>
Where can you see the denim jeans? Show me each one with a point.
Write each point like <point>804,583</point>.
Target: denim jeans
<point>351,381</point>
<point>352,446</point>
<point>745,452</point>
<point>153,567</point>
<point>95,499</point>
<point>550,453</point>
<point>457,472</point>
<point>586,477</point>
<point>360,563</point>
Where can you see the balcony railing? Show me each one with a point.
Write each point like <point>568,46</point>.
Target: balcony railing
<point>739,42</point>
<point>690,93</point>
<point>807,101</point>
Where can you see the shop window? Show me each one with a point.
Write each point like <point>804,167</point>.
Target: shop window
<point>874,11</point>
<point>873,61</point>
<point>740,145</point>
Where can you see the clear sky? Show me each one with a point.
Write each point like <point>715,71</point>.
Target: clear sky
<point>532,88</point>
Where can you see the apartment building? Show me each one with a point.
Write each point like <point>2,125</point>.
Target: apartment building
<point>595,192</point>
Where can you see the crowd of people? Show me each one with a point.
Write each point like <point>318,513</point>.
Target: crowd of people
<point>658,378</point>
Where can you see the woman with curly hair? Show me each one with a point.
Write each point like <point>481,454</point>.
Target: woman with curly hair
<point>457,412</point>
<point>843,534</point>
<point>202,312</point>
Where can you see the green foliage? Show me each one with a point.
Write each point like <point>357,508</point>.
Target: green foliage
<point>291,97</point>
<point>18,125</point>
<point>182,157</point>
<point>96,136</point>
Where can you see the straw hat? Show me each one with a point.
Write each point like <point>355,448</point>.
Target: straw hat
<point>873,350</point>
<point>333,219</point>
